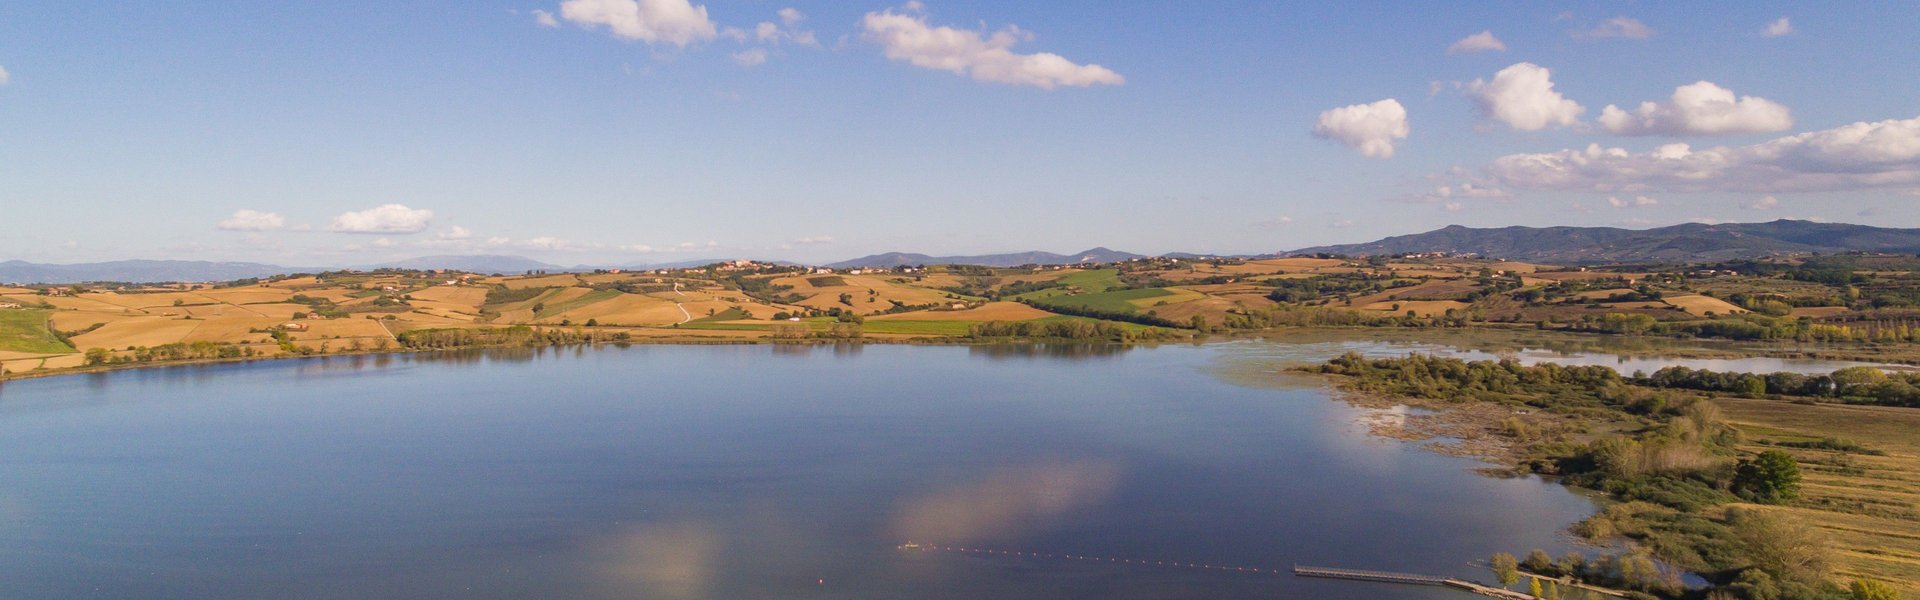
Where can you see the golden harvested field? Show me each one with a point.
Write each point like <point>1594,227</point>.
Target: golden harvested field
<point>247,295</point>
<point>1176,296</point>
<point>868,294</point>
<point>144,331</point>
<point>71,303</point>
<point>547,281</point>
<point>629,309</point>
<point>1866,504</point>
<point>1213,308</point>
<point>233,329</point>
<point>1701,306</point>
<point>321,329</point>
<point>1432,290</point>
<point>991,311</point>
<point>461,295</point>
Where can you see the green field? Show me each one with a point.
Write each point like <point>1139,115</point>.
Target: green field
<point>1121,301</point>
<point>26,331</point>
<point>1097,280</point>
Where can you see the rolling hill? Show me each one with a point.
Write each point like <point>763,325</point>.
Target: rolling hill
<point>897,259</point>
<point>1689,242</point>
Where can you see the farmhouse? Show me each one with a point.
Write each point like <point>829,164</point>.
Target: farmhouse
<point>9,305</point>
<point>294,326</point>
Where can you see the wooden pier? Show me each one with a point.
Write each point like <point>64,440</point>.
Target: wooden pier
<point>1408,579</point>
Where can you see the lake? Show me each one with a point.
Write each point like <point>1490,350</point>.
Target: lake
<point>736,472</point>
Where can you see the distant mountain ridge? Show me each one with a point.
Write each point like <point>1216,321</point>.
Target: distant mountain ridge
<point>1688,242</point>
<point>472,263</point>
<point>15,271</point>
<point>902,259</point>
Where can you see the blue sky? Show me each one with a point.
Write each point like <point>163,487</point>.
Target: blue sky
<point>620,132</point>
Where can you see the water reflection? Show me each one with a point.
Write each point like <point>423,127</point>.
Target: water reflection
<point>1049,351</point>
<point>1007,502</point>
<point>668,560</point>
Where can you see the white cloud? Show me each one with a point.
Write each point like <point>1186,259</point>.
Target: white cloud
<point>4,77</point>
<point>1635,202</point>
<point>1700,108</point>
<point>1778,28</point>
<point>544,18</point>
<point>982,56</point>
<point>676,22</point>
<point>1275,223</point>
<point>1369,128</point>
<point>814,240</point>
<point>787,30</point>
<point>1448,194</point>
<point>383,243</point>
<point>390,218</point>
<point>1452,206</point>
<point>1883,154</point>
<point>1479,42</point>
<point>1764,203</point>
<point>253,220</point>
<point>750,57</point>
<point>1617,27</point>
<point>682,247</point>
<point>454,233</point>
<point>1522,96</point>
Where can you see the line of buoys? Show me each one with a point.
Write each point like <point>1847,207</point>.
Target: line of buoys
<point>1083,557</point>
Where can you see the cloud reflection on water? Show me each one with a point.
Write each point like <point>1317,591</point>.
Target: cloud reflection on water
<point>1006,502</point>
<point>665,560</point>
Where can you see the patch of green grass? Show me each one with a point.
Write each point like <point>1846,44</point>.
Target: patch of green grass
<point>1121,301</point>
<point>731,314</point>
<point>826,281</point>
<point>26,331</point>
<point>582,301</point>
<point>1097,280</point>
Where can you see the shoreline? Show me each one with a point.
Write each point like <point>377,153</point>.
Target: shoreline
<point>1522,338</point>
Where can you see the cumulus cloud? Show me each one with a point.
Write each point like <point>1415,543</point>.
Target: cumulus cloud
<point>750,57</point>
<point>253,220</point>
<point>1778,28</point>
<point>1763,203</point>
<point>455,233</point>
<point>1700,108</point>
<point>1617,27</point>
<point>1522,96</point>
<point>676,22</point>
<point>787,30</point>
<point>544,18</point>
<point>4,77</point>
<point>1369,128</point>
<point>1479,42</point>
<point>1635,202</point>
<point>983,56</point>
<point>389,218</point>
<point>1445,193</point>
<point>814,240</point>
<point>1882,154</point>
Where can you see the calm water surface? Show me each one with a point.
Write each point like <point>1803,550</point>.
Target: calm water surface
<point>730,472</point>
